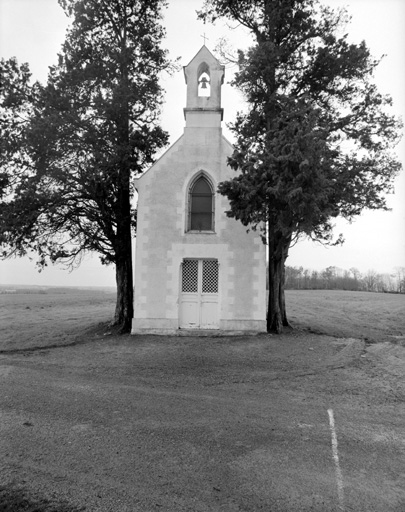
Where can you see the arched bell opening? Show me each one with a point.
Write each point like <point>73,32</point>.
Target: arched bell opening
<point>204,80</point>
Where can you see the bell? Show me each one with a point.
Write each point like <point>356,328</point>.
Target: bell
<point>203,83</point>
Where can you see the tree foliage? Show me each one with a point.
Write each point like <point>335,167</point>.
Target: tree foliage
<point>83,137</point>
<point>316,140</point>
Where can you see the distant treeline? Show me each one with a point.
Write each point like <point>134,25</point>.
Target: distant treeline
<point>334,278</point>
<point>29,291</point>
<point>20,289</point>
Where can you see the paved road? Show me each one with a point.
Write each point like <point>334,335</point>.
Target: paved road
<point>298,423</point>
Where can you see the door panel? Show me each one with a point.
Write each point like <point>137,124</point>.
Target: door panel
<point>189,314</point>
<point>190,300</point>
<point>209,314</point>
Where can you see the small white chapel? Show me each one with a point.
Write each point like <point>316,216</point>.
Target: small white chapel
<point>196,270</point>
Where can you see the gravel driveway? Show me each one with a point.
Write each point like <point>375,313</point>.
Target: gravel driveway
<point>300,422</point>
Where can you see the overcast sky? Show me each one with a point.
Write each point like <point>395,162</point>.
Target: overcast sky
<point>33,31</point>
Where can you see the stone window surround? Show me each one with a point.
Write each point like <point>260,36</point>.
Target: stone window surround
<point>196,177</point>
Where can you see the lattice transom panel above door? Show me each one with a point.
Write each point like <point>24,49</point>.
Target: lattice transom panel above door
<point>209,276</point>
<point>189,276</point>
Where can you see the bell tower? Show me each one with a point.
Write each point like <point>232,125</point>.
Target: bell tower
<point>204,77</point>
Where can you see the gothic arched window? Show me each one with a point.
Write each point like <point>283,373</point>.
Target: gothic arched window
<point>201,206</point>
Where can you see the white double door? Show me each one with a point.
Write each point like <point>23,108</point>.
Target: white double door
<point>199,294</point>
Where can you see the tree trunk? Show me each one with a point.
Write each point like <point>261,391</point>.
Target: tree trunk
<point>124,309</point>
<point>274,312</point>
<point>123,253</point>
<point>278,251</point>
<point>282,298</point>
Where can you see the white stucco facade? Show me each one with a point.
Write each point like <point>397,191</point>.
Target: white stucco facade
<point>226,263</point>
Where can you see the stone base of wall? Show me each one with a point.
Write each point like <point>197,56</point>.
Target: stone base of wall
<point>255,326</point>
<point>170,327</point>
<point>154,326</point>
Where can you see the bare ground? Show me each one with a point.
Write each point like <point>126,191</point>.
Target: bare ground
<point>148,423</point>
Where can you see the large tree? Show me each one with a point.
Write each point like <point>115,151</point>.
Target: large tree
<point>75,144</point>
<point>316,138</point>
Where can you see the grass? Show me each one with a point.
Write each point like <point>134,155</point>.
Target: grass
<point>364,315</point>
<point>59,316</point>
<point>54,317</point>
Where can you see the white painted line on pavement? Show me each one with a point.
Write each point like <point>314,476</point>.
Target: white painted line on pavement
<point>339,477</point>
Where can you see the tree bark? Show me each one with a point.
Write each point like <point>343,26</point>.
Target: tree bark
<point>278,252</point>
<point>124,309</point>
<point>282,298</point>
<point>123,251</point>
<point>274,313</point>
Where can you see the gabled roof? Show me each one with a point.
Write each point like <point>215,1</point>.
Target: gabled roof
<point>203,54</point>
<point>163,156</point>
<point>204,50</point>
<point>170,149</point>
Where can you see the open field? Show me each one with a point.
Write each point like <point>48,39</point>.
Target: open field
<point>42,318</point>
<point>370,316</point>
<point>303,422</point>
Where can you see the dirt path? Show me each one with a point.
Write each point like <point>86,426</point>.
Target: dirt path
<point>297,423</point>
